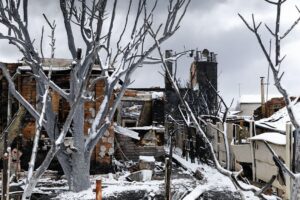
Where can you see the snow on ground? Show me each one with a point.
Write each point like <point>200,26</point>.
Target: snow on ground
<point>184,185</point>
<point>112,188</point>
<point>84,195</point>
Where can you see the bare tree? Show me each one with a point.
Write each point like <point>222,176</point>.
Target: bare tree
<point>121,57</point>
<point>275,65</point>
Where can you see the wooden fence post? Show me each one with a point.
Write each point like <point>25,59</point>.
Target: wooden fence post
<point>288,156</point>
<point>99,189</point>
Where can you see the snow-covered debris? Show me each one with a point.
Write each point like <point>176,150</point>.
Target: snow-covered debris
<point>133,111</point>
<point>272,137</point>
<point>147,158</point>
<point>126,132</point>
<point>215,181</point>
<point>142,175</point>
<point>157,95</point>
<point>146,162</point>
<point>279,119</point>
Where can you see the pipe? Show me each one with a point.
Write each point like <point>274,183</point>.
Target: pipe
<point>262,90</point>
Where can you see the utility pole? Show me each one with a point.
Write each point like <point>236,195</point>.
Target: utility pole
<point>168,109</point>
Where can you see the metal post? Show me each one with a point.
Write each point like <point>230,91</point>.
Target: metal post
<point>167,179</point>
<point>99,189</point>
<point>8,172</point>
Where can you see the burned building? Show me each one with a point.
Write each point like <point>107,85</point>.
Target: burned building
<point>202,97</point>
<point>141,114</point>
<point>23,125</point>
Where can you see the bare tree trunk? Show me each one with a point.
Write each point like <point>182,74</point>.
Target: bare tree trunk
<point>80,164</point>
<point>80,175</point>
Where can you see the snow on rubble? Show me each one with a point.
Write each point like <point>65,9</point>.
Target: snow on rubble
<point>185,184</point>
<point>157,95</point>
<point>213,185</point>
<point>216,185</point>
<point>117,185</point>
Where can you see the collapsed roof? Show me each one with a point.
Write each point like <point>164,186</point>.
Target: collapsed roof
<point>278,120</point>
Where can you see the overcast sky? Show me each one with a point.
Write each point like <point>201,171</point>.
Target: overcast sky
<point>211,24</point>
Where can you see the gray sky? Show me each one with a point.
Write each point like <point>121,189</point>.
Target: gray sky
<point>212,24</point>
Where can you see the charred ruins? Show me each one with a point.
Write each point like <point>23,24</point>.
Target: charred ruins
<point>142,123</point>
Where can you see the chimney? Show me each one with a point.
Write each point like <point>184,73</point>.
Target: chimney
<point>168,84</point>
